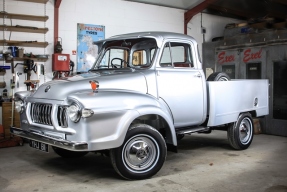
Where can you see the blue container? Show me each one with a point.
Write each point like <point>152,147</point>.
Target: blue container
<point>13,50</point>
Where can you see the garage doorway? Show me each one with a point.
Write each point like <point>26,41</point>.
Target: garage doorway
<point>280,90</point>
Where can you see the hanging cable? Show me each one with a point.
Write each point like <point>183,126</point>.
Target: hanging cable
<point>202,29</point>
<point>44,66</point>
<point>3,31</point>
<point>10,30</point>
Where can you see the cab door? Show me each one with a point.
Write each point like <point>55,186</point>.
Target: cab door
<point>180,84</point>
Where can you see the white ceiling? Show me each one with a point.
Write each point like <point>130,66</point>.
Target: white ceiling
<point>179,4</point>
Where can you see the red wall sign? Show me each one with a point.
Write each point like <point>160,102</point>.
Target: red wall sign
<point>223,58</point>
<point>248,55</point>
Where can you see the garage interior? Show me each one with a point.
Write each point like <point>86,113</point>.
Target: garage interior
<point>244,38</point>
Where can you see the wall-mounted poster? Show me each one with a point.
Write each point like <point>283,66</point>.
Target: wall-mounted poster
<point>86,50</point>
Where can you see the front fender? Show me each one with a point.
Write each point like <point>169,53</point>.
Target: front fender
<point>114,111</point>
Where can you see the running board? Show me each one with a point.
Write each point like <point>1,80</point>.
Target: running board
<point>191,130</point>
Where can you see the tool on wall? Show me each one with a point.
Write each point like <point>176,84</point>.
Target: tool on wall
<point>17,79</point>
<point>12,90</point>
<point>29,65</point>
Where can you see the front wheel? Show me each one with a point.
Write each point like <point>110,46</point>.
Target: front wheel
<point>240,133</point>
<point>141,155</point>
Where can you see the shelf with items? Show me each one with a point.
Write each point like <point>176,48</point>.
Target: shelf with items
<point>24,43</point>
<point>26,58</point>
<point>27,29</point>
<point>35,1</point>
<point>23,17</point>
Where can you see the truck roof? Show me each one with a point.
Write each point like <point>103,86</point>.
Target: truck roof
<point>154,34</point>
<point>159,36</point>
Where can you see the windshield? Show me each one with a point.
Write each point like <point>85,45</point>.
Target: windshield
<point>128,53</point>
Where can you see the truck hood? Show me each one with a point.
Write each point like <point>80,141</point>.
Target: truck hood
<point>130,80</point>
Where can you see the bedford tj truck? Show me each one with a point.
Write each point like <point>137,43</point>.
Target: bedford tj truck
<point>144,92</point>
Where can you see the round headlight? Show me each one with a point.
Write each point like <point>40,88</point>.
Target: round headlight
<point>74,112</point>
<point>19,106</point>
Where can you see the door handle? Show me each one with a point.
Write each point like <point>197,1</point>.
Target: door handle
<point>198,75</point>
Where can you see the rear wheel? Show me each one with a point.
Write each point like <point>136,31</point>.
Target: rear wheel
<point>68,154</point>
<point>141,155</point>
<point>240,133</point>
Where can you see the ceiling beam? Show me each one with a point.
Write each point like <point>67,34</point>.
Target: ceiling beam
<point>278,15</point>
<point>197,9</point>
<point>284,2</point>
<point>231,11</point>
<point>58,3</point>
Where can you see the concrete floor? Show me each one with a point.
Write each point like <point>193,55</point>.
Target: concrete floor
<point>204,163</point>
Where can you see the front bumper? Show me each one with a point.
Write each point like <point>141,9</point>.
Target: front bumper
<point>57,142</point>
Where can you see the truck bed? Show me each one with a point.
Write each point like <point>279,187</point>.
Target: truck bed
<point>227,99</point>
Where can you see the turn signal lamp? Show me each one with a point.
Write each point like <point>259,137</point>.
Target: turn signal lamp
<point>87,113</point>
<point>94,85</point>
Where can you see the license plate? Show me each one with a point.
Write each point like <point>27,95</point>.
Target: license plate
<point>40,146</point>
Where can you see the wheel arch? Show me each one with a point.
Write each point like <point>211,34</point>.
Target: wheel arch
<point>253,113</point>
<point>161,123</point>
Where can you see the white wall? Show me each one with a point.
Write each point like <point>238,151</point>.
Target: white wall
<point>117,16</point>
<point>214,26</point>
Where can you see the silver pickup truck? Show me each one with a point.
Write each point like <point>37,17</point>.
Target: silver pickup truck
<point>144,93</point>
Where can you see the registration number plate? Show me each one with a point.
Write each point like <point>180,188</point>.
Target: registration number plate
<point>40,146</point>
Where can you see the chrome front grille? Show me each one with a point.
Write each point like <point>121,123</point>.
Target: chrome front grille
<point>62,116</point>
<point>41,113</point>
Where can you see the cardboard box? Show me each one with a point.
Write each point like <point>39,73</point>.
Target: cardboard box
<point>256,125</point>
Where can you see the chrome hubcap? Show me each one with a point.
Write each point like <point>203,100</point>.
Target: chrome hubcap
<point>245,130</point>
<point>140,153</point>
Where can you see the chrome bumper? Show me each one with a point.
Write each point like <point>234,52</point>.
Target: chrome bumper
<point>64,144</point>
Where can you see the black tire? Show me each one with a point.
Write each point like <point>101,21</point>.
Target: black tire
<point>68,154</point>
<point>240,133</point>
<point>218,76</point>
<point>141,155</point>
